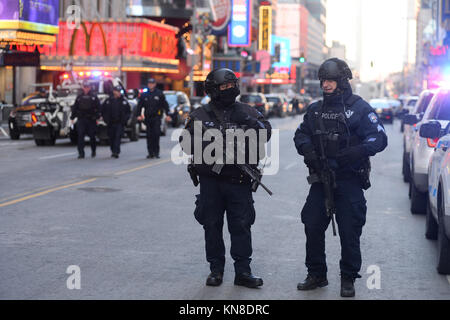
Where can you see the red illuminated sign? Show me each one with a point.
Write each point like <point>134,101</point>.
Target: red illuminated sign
<point>139,39</point>
<point>439,50</point>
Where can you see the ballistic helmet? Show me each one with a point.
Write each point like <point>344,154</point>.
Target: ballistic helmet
<point>218,77</point>
<point>335,69</point>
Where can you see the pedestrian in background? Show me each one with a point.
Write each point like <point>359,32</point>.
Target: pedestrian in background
<point>155,105</point>
<point>115,112</point>
<point>87,111</point>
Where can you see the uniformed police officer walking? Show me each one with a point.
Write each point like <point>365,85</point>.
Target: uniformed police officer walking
<point>87,110</point>
<point>115,112</point>
<point>154,103</point>
<point>231,190</point>
<point>351,132</point>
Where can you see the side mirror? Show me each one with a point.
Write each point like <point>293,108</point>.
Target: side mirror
<point>431,130</point>
<point>410,119</point>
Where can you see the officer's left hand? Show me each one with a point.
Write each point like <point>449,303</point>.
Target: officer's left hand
<point>240,117</point>
<point>352,154</point>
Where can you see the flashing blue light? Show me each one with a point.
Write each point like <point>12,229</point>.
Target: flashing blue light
<point>145,90</point>
<point>97,73</point>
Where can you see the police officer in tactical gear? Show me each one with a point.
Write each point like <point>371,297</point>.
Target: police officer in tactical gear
<point>353,133</point>
<point>87,110</point>
<point>154,103</point>
<point>231,190</point>
<point>115,112</point>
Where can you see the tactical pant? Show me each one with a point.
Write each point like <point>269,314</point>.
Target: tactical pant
<point>115,132</point>
<point>153,133</point>
<point>217,196</point>
<point>86,127</point>
<point>350,218</point>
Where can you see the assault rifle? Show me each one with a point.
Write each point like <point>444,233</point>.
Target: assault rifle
<point>253,173</point>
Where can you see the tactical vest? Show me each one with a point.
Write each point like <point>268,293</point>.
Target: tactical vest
<point>334,122</point>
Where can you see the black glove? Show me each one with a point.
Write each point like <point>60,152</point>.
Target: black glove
<point>242,118</point>
<point>352,154</point>
<point>310,157</point>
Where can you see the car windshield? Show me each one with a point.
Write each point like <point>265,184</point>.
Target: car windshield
<point>273,99</point>
<point>424,103</point>
<point>379,104</point>
<point>251,99</point>
<point>171,99</point>
<point>443,113</point>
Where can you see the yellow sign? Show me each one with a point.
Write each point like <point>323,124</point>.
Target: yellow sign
<point>265,27</point>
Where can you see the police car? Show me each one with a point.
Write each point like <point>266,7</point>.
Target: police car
<point>422,149</point>
<point>438,209</point>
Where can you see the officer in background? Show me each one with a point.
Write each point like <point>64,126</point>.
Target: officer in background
<point>154,103</point>
<point>87,110</point>
<point>353,134</point>
<point>230,190</point>
<point>115,112</point>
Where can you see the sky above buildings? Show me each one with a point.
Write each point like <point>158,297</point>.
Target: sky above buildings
<point>373,31</point>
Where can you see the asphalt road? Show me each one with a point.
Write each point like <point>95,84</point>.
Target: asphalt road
<point>128,225</point>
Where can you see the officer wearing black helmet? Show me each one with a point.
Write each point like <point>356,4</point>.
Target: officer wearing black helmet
<point>87,110</point>
<point>154,104</point>
<point>116,112</point>
<point>351,133</point>
<point>231,190</point>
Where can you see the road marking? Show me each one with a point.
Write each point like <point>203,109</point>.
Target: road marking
<point>35,190</point>
<point>57,156</point>
<point>53,189</point>
<point>290,166</point>
<point>4,204</point>
<point>141,167</point>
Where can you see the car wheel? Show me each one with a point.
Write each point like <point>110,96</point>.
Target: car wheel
<point>418,200</point>
<point>443,266</point>
<point>14,133</point>
<point>134,131</point>
<point>405,169</point>
<point>50,142</point>
<point>431,226</point>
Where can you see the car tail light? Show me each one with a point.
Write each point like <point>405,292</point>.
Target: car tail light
<point>259,104</point>
<point>432,143</point>
<point>34,118</point>
<point>388,117</point>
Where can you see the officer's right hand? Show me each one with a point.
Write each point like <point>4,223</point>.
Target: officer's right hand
<point>310,156</point>
<point>140,118</point>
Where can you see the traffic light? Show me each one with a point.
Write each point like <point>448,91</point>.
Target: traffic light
<point>302,58</point>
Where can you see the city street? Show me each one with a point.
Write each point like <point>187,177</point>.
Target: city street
<point>128,225</point>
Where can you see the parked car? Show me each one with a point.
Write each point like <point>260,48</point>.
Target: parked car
<point>407,107</point>
<point>422,148</point>
<point>19,120</point>
<point>179,106</point>
<point>278,105</point>
<point>437,224</point>
<point>409,130</point>
<point>257,100</point>
<point>384,110</point>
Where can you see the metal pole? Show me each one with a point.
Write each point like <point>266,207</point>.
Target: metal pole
<point>193,45</point>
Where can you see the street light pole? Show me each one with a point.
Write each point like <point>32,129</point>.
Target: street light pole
<point>193,45</point>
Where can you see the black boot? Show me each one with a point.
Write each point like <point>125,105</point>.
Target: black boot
<point>214,279</point>
<point>347,287</point>
<point>247,280</point>
<point>312,282</point>
<point>93,154</point>
<point>81,156</point>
